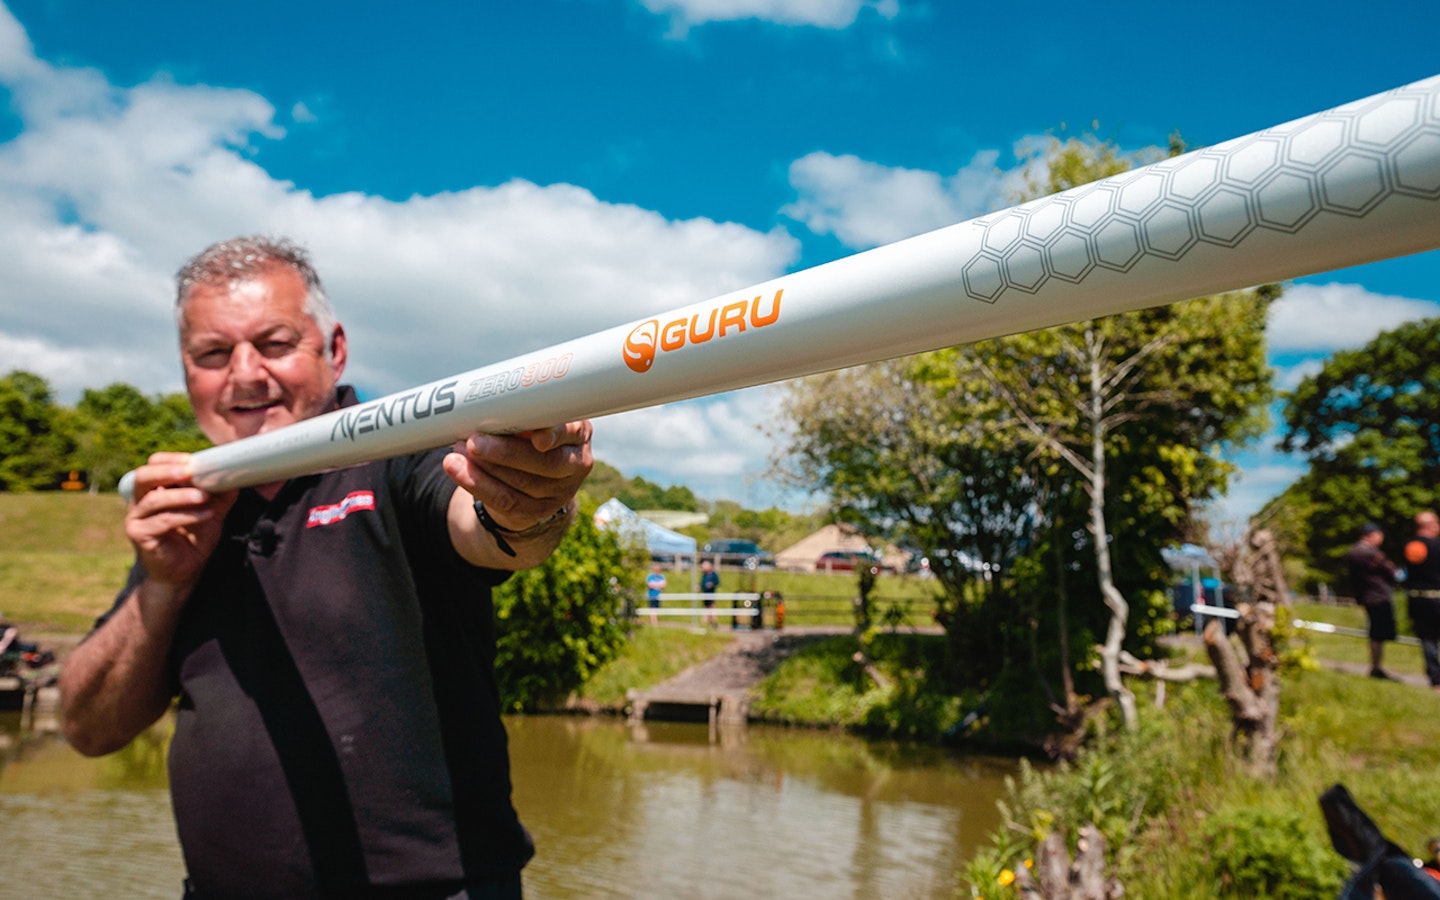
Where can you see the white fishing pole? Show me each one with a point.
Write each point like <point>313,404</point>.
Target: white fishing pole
<point>1350,185</point>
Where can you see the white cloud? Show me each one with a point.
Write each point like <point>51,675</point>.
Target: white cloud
<point>69,370</point>
<point>832,14</point>
<point>1323,318</point>
<point>1288,378</point>
<point>865,204</point>
<point>108,189</point>
<point>718,442</point>
<point>301,113</point>
<point>17,54</point>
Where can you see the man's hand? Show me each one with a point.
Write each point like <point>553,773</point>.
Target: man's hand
<point>173,525</point>
<point>114,684</point>
<point>522,480</point>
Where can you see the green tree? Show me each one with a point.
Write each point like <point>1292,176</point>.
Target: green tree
<point>1132,406</point>
<point>173,425</point>
<point>562,620</point>
<point>772,528</point>
<point>640,493</point>
<point>1369,424</point>
<point>119,427</point>
<point>1060,461</point>
<point>33,444</point>
<point>605,481</point>
<point>905,455</point>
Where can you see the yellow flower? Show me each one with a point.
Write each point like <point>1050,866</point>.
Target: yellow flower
<point>1006,878</point>
<point>1029,863</point>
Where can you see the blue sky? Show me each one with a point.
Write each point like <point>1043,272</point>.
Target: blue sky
<point>480,179</point>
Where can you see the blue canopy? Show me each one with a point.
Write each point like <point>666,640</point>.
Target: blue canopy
<point>1188,557</point>
<point>659,540</point>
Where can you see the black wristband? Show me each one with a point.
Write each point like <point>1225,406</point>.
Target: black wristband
<point>497,531</point>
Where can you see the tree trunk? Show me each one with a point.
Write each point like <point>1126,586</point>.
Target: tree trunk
<point>1114,600</point>
<point>1252,690</point>
<point>1056,877</point>
<point>1062,604</point>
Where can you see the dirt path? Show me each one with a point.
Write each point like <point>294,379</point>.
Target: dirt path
<point>751,656</point>
<point>1414,679</point>
<point>721,685</point>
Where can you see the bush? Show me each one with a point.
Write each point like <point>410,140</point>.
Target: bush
<point>1261,853</point>
<point>561,621</point>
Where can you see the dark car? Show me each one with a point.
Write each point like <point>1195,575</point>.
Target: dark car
<point>735,552</point>
<point>844,561</point>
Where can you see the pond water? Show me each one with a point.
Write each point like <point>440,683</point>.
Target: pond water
<point>659,810</point>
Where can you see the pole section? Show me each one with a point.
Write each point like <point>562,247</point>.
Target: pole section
<point>1350,185</point>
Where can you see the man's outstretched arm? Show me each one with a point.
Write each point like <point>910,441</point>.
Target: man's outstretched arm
<point>527,486</point>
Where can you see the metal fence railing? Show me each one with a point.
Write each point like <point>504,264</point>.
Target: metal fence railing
<point>770,609</point>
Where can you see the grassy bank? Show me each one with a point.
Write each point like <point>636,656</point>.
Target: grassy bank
<point>652,655</point>
<point>62,558</point>
<point>826,598</point>
<point>1189,822</point>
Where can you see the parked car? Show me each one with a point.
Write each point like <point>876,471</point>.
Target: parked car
<point>845,561</point>
<point>735,552</point>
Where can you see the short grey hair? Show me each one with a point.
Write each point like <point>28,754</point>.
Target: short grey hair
<point>226,262</point>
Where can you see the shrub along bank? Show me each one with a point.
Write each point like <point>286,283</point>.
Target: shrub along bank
<point>1183,818</point>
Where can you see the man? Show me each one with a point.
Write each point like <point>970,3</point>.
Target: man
<point>1422,589</point>
<point>330,637</point>
<point>1372,582</point>
<point>709,584</point>
<point>654,584</point>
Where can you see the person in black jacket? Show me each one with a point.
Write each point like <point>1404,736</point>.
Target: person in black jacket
<point>1372,581</point>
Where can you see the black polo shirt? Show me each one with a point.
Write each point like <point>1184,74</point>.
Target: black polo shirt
<point>339,725</point>
<point>1422,556</point>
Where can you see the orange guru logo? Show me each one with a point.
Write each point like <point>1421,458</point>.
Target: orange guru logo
<point>650,337</point>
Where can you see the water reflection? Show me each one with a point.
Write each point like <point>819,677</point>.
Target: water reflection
<point>81,827</point>
<point>663,810</point>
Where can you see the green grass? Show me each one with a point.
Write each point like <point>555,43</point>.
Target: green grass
<point>652,655</point>
<point>1187,820</point>
<point>823,682</point>
<point>63,557</point>
<point>819,683</point>
<point>51,521</point>
<point>820,598</point>
<point>1175,792</point>
<point>1348,649</point>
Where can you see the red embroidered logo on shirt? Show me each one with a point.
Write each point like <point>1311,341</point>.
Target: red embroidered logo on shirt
<point>336,512</point>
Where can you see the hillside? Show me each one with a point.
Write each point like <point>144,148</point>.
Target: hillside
<point>62,558</point>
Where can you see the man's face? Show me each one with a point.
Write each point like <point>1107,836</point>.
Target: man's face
<point>1427,525</point>
<point>254,361</point>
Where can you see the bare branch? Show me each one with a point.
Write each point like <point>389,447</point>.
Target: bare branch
<point>1161,670</point>
<point>1130,366</point>
<point>1044,436</point>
